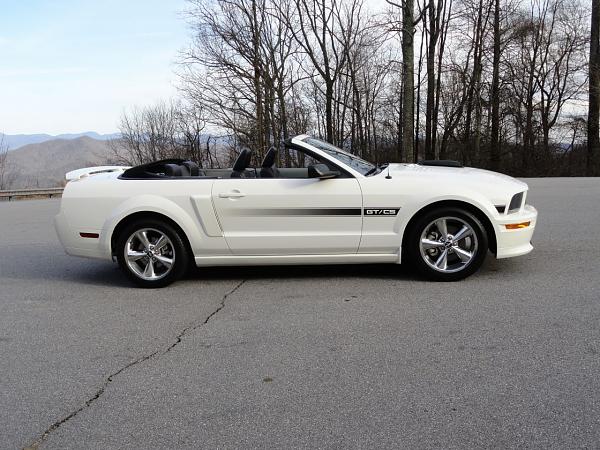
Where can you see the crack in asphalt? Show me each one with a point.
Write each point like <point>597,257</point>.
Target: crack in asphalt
<point>198,325</point>
<point>110,378</point>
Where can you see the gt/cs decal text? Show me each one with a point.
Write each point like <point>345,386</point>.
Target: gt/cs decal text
<point>381,211</point>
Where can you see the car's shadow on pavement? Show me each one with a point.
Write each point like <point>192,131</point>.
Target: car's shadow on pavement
<point>373,271</point>
<point>401,272</point>
<point>103,273</point>
<point>106,274</point>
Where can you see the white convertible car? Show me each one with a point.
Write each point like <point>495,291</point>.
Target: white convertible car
<point>320,205</point>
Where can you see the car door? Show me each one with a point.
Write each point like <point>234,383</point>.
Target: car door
<point>289,216</point>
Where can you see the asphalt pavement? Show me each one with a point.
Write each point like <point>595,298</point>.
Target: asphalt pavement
<point>304,357</point>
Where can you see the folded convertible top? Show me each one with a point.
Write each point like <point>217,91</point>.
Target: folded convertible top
<point>440,163</point>
<point>154,169</point>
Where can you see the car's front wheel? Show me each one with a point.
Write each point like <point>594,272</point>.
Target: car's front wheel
<point>447,244</point>
<point>151,253</point>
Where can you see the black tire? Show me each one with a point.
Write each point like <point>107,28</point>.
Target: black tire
<point>175,250</point>
<point>456,218</point>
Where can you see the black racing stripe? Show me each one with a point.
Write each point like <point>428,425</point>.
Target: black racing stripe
<point>300,212</point>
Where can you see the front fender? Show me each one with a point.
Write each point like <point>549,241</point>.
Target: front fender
<point>414,206</point>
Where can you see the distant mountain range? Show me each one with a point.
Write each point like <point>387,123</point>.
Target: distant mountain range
<point>15,141</point>
<point>45,164</point>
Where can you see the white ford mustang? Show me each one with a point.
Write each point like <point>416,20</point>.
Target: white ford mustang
<point>321,205</point>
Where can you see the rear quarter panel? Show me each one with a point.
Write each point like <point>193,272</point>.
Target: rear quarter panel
<point>97,205</point>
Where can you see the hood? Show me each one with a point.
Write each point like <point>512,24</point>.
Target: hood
<point>494,185</point>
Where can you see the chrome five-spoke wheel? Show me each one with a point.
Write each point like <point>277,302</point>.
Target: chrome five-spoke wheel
<point>448,244</point>
<point>150,254</point>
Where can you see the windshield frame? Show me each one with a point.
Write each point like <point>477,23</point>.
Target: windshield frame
<point>348,160</point>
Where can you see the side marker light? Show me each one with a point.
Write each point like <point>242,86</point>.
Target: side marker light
<point>89,235</point>
<point>516,226</point>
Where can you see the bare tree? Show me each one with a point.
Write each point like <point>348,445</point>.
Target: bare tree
<point>7,177</point>
<point>481,11</point>
<point>436,27</point>
<point>496,86</point>
<point>544,62</point>
<point>165,130</point>
<point>408,74</point>
<point>222,71</point>
<point>239,68</point>
<point>593,122</point>
<point>326,30</point>
<point>495,93</point>
<point>562,60</point>
<point>189,125</point>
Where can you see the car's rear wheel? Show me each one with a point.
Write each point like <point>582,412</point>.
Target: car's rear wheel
<point>447,244</point>
<point>151,253</point>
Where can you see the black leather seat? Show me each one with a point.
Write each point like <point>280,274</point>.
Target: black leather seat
<point>173,170</point>
<point>241,163</point>
<point>185,172</point>
<point>268,168</point>
<point>185,169</point>
<point>192,168</point>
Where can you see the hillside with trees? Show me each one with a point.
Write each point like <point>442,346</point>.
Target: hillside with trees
<point>45,164</point>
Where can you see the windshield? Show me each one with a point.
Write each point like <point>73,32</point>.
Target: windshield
<point>358,164</point>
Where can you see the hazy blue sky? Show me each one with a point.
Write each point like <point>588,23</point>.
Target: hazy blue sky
<point>74,65</point>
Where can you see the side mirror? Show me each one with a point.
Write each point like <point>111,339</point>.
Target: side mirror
<point>322,172</point>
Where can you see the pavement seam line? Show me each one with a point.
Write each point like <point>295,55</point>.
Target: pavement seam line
<point>110,378</point>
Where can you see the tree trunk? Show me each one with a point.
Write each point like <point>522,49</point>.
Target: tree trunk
<point>593,125</point>
<point>408,73</point>
<point>329,112</point>
<point>528,137</point>
<point>438,84</point>
<point>417,137</point>
<point>282,111</point>
<point>429,151</point>
<point>399,150</point>
<point>495,132</point>
<point>433,36</point>
<point>473,85</point>
<point>260,144</point>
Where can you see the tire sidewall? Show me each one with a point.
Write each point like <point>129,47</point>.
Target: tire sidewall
<point>181,252</point>
<point>414,251</point>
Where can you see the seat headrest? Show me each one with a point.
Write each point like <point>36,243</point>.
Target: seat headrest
<point>270,158</point>
<point>242,161</point>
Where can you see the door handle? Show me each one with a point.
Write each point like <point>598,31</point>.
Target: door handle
<point>232,194</point>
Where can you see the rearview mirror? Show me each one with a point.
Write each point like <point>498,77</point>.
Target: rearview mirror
<point>322,172</point>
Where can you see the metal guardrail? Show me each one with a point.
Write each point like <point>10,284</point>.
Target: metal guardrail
<point>29,193</point>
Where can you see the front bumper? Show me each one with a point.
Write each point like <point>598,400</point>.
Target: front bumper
<point>515,242</point>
